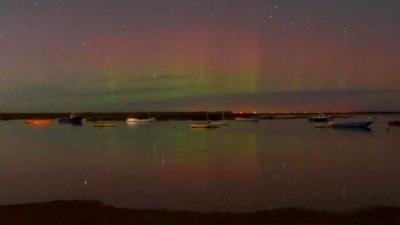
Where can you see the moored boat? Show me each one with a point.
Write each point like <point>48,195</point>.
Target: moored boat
<point>321,118</point>
<point>206,125</point>
<point>136,120</point>
<point>221,122</point>
<point>40,122</point>
<point>74,120</point>
<point>352,124</point>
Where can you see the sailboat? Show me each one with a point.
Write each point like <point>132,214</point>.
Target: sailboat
<point>321,118</point>
<point>204,125</point>
<point>222,122</point>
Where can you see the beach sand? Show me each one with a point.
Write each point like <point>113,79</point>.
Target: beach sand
<point>92,212</point>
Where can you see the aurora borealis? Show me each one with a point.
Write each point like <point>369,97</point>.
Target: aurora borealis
<point>267,55</point>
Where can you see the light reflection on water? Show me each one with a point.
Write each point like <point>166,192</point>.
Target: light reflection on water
<point>242,167</point>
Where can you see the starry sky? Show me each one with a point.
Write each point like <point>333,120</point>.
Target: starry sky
<point>134,55</point>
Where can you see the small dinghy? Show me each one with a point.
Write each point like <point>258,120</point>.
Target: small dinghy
<point>39,122</point>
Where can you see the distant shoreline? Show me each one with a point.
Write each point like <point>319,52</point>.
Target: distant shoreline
<point>96,213</point>
<point>199,115</point>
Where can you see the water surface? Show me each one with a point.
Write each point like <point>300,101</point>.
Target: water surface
<point>166,165</point>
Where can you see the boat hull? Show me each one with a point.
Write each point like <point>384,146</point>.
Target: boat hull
<point>135,120</point>
<point>73,120</point>
<point>203,126</point>
<point>320,119</point>
<point>76,120</point>
<point>353,125</point>
<point>39,122</point>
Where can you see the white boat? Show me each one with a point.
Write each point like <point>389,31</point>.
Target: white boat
<point>136,120</point>
<point>206,125</point>
<point>247,119</point>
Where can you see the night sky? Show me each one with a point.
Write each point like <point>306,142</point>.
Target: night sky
<point>266,55</point>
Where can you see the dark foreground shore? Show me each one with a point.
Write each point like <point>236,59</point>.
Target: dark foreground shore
<point>91,212</point>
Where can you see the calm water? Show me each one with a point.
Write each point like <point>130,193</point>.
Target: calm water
<point>243,167</point>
